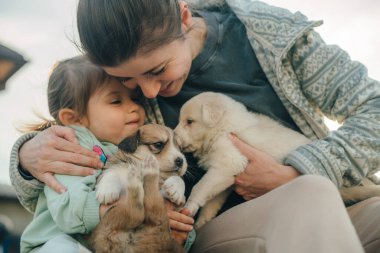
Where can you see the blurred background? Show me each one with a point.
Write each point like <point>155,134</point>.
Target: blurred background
<point>43,31</point>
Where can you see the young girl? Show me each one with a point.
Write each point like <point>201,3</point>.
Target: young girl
<point>102,112</point>
<point>275,63</point>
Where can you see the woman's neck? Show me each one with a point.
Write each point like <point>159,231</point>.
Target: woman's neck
<point>197,35</point>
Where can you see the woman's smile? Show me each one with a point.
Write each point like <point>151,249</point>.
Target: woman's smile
<point>166,89</point>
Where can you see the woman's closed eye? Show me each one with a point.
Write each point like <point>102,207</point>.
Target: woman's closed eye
<point>157,72</point>
<point>123,80</point>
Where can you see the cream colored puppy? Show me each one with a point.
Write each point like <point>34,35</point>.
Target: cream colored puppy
<point>205,122</point>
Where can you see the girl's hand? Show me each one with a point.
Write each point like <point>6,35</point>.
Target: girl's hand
<point>262,174</point>
<point>56,150</point>
<point>180,223</point>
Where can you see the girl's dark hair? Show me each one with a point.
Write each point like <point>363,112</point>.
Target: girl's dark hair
<point>112,31</point>
<point>71,84</point>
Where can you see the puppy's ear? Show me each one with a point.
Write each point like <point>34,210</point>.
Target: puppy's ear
<point>211,114</point>
<point>130,143</point>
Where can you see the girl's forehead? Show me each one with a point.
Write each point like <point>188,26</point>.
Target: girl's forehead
<point>111,85</point>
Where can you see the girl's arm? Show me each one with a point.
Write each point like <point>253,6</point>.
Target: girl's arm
<point>40,155</point>
<point>76,210</point>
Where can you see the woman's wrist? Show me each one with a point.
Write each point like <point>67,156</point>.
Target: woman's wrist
<point>290,173</point>
<point>18,154</point>
<point>25,174</point>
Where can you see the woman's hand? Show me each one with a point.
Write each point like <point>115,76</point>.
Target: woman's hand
<point>180,222</point>
<point>262,174</point>
<point>56,150</point>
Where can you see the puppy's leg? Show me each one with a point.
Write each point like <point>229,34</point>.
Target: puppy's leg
<point>108,189</point>
<point>210,185</point>
<point>155,211</point>
<point>211,208</point>
<point>156,219</point>
<point>112,234</point>
<point>173,189</point>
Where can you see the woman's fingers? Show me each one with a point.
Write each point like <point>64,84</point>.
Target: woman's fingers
<point>241,191</point>
<point>52,182</point>
<point>185,211</point>
<point>174,215</point>
<point>65,169</point>
<point>244,148</point>
<point>64,132</point>
<point>180,237</point>
<point>180,222</point>
<point>70,169</point>
<point>59,149</point>
<point>56,150</point>
<point>180,226</point>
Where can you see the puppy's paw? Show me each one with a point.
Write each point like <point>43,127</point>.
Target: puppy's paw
<point>107,193</point>
<point>173,189</point>
<point>199,223</point>
<point>193,208</point>
<point>150,166</point>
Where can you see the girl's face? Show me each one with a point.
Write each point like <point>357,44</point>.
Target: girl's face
<point>159,72</point>
<point>112,114</point>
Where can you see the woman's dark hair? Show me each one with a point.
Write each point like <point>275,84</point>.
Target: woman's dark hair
<point>112,31</point>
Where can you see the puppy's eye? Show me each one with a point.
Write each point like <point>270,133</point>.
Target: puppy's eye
<point>156,147</point>
<point>189,121</point>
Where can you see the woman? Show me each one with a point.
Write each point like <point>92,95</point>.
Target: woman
<point>276,64</point>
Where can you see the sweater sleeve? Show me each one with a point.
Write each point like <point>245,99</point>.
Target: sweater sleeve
<point>77,210</point>
<point>27,190</point>
<point>342,90</point>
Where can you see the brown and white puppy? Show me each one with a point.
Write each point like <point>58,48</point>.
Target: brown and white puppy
<point>139,224</point>
<point>150,139</point>
<point>144,162</point>
<point>205,122</point>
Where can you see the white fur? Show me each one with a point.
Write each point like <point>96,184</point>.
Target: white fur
<point>109,188</point>
<point>115,179</point>
<point>174,189</point>
<point>213,117</point>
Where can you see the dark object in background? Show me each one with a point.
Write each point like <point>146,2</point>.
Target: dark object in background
<point>9,243</point>
<point>10,62</point>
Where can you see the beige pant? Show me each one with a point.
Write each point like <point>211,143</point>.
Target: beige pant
<point>304,216</point>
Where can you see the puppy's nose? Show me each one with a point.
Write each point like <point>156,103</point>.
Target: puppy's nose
<point>178,163</point>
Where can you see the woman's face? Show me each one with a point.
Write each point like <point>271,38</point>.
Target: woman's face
<point>159,72</point>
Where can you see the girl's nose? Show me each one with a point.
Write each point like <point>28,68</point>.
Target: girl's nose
<point>133,106</point>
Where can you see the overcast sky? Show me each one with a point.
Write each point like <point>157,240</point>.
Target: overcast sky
<point>42,30</point>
